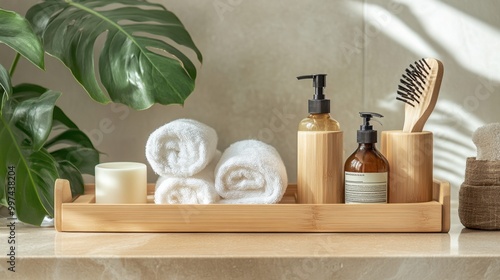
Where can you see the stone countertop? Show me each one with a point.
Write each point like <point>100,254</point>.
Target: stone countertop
<point>43,253</point>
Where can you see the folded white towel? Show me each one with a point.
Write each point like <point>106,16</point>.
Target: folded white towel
<point>250,172</point>
<point>182,147</point>
<point>197,189</point>
<point>487,140</point>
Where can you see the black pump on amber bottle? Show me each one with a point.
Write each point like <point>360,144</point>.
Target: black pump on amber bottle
<point>317,105</point>
<point>366,134</point>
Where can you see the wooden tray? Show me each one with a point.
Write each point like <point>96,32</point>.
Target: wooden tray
<point>84,215</point>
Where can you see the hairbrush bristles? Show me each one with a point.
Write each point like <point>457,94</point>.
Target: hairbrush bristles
<point>419,89</point>
<point>414,82</point>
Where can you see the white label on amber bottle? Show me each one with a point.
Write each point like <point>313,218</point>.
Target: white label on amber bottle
<point>365,187</point>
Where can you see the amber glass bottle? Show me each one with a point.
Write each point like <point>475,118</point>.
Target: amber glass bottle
<point>319,122</point>
<point>366,170</point>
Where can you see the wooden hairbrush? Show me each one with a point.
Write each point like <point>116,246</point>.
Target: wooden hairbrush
<point>419,89</point>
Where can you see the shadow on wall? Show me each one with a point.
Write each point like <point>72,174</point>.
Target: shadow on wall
<point>462,35</point>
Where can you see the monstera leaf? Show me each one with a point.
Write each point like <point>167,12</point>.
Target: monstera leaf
<point>35,170</point>
<point>70,147</point>
<point>16,32</point>
<point>26,121</point>
<point>137,65</point>
<point>30,160</point>
<point>27,117</point>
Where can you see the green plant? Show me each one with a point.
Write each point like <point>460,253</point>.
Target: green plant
<point>136,67</point>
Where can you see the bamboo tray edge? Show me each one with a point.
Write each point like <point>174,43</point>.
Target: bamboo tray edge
<point>83,215</point>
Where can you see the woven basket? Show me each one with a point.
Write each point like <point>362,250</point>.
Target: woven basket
<point>479,197</point>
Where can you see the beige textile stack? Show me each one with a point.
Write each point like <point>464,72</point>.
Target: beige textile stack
<point>479,197</point>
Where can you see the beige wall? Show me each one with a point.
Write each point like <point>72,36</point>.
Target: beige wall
<point>253,50</point>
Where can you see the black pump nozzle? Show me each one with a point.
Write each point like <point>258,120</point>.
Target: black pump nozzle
<point>366,134</point>
<point>319,83</point>
<point>367,116</point>
<point>318,105</point>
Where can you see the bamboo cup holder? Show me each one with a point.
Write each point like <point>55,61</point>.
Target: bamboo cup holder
<point>410,165</point>
<point>84,215</point>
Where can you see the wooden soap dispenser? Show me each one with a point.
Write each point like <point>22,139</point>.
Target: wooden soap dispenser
<point>319,151</point>
<point>366,170</point>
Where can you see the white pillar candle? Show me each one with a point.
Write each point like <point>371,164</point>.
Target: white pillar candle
<point>120,183</point>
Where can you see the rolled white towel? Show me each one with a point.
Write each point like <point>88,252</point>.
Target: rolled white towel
<point>250,172</point>
<point>487,140</point>
<point>197,189</point>
<point>182,147</point>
